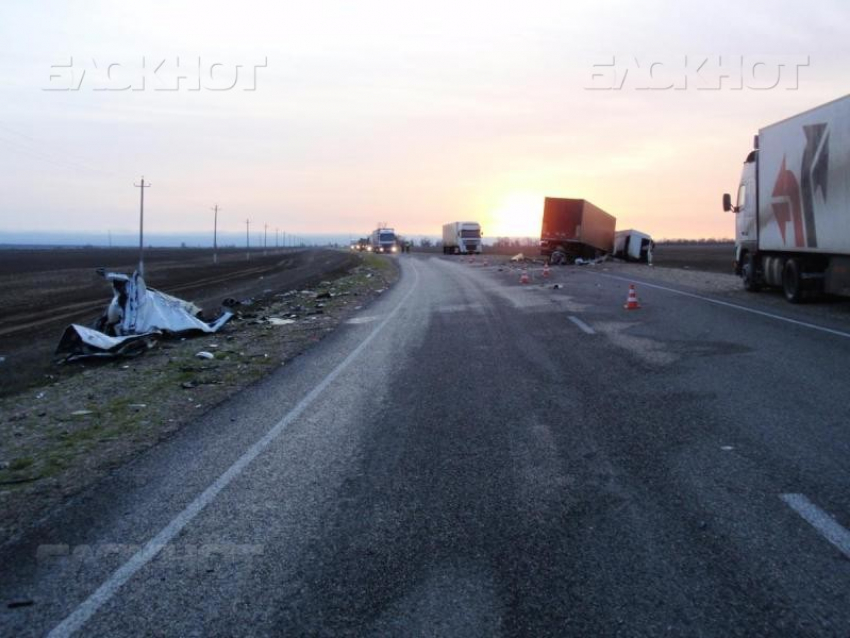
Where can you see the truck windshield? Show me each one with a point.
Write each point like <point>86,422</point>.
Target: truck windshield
<point>387,236</point>
<point>470,234</point>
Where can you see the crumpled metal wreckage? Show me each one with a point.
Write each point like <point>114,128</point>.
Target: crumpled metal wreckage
<point>135,318</point>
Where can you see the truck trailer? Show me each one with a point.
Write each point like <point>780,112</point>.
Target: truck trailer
<point>462,238</point>
<point>383,240</point>
<point>792,211</point>
<point>574,228</point>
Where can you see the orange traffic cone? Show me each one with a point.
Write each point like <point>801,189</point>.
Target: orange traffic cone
<point>524,278</point>
<point>632,300</point>
<point>545,270</point>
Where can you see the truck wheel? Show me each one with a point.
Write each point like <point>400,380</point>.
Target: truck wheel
<point>557,258</point>
<point>748,273</point>
<point>792,281</point>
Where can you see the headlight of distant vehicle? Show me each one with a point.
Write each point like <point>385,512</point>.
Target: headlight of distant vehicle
<point>393,249</point>
<point>369,248</point>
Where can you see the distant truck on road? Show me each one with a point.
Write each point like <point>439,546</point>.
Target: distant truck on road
<point>383,240</point>
<point>574,228</point>
<point>462,238</point>
<point>793,205</point>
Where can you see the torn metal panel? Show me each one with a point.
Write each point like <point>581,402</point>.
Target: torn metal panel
<point>137,309</point>
<point>79,342</point>
<point>135,317</point>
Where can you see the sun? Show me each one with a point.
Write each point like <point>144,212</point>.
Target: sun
<point>517,215</point>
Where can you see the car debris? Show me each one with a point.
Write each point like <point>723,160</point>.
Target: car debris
<point>203,354</point>
<point>278,321</point>
<point>518,257</point>
<point>133,322</point>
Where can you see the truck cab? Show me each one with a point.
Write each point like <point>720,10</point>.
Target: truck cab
<point>384,241</point>
<point>746,217</point>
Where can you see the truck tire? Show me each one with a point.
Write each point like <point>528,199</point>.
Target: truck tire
<point>792,281</point>
<point>749,274</point>
<point>558,258</point>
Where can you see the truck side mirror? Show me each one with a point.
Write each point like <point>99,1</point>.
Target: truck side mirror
<point>727,202</point>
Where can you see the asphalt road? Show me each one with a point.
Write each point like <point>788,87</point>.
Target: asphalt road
<point>475,457</point>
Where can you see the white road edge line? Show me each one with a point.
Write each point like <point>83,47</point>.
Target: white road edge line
<point>582,325</point>
<point>820,520</point>
<point>107,590</point>
<point>727,304</point>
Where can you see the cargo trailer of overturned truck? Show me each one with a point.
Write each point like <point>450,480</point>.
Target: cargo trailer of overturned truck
<point>633,245</point>
<point>574,228</point>
<point>793,205</point>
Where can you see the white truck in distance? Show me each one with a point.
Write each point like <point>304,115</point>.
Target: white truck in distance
<point>462,238</point>
<point>793,205</point>
<point>383,240</point>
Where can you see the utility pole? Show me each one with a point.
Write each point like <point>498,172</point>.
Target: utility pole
<point>142,186</point>
<point>247,240</point>
<point>215,235</point>
<point>276,234</point>
<point>265,238</point>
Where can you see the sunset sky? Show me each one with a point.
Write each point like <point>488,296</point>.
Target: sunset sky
<point>388,111</point>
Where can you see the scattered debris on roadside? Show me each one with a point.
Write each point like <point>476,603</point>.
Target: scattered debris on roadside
<point>592,262</point>
<point>278,321</point>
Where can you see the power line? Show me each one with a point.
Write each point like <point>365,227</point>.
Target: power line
<point>50,157</point>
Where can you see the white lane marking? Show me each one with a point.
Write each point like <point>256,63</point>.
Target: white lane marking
<point>820,520</point>
<point>584,327</point>
<point>762,313</point>
<point>107,590</point>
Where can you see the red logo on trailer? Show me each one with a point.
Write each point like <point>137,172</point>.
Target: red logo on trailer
<point>796,200</point>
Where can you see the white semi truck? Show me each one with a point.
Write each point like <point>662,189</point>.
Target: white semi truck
<point>462,238</point>
<point>383,240</point>
<point>793,205</point>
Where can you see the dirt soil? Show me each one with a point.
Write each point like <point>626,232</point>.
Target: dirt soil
<point>709,257</point>
<point>63,434</point>
<point>44,290</point>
